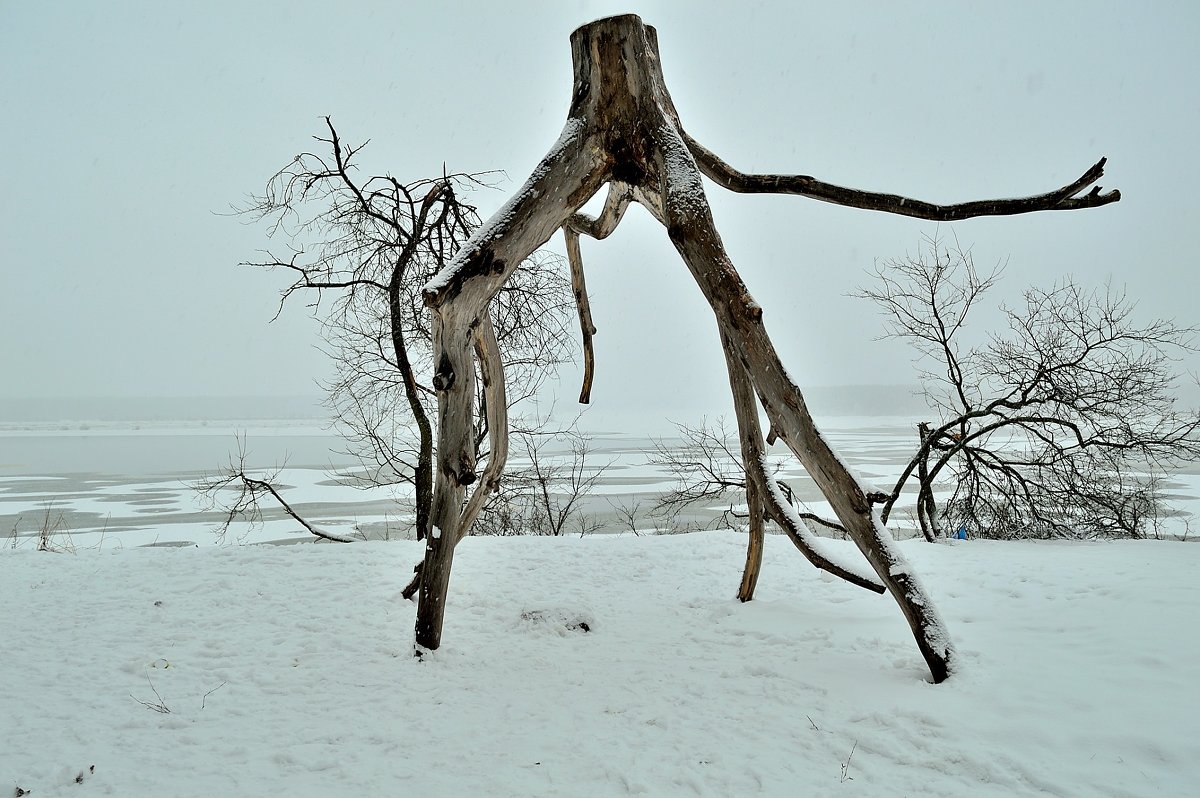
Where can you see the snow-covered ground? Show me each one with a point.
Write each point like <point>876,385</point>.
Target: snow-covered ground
<point>288,671</point>
<point>247,670</point>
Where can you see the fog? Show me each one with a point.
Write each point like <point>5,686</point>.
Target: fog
<point>131,128</point>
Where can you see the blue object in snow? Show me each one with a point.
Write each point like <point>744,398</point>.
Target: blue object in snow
<point>961,534</point>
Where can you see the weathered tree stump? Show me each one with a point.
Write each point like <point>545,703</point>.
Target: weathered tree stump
<point>623,130</point>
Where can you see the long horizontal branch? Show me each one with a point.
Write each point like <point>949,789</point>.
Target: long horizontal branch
<point>306,280</point>
<point>1062,199</point>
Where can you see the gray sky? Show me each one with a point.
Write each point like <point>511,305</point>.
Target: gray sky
<point>129,127</point>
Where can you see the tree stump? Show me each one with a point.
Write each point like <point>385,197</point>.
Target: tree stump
<point>623,130</point>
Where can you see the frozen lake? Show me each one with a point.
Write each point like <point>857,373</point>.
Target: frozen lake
<point>132,481</point>
<point>113,481</point>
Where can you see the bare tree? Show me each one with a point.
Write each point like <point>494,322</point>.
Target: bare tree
<point>546,495</point>
<point>370,243</point>
<point>623,130</point>
<point>706,466</point>
<point>628,513</point>
<point>1063,425</point>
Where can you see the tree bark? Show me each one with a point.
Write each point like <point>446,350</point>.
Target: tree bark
<point>926,507</point>
<point>423,473</point>
<point>750,434</point>
<point>455,377</point>
<point>763,494</point>
<point>619,197</point>
<point>623,129</point>
<point>756,538</point>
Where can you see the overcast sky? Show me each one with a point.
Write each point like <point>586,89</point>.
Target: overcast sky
<point>129,128</point>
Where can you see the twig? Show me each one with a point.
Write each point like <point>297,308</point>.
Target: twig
<point>103,532</point>
<point>161,707</point>
<point>210,692</point>
<point>846,765</point>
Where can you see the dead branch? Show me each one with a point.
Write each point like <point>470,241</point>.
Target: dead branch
<point>763,494</point>
<point>586,328</point>
<point>1062,199</point>
<point>246,501</point>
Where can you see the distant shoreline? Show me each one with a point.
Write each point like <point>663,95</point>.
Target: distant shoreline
<point>830,400</point>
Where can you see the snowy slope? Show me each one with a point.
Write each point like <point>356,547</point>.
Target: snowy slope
<point>286,671</point>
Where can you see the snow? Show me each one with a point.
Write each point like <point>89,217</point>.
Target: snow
<point>287,670</point>
<point>568,139</point>
<point>854,564</point>
<point>685,189</point>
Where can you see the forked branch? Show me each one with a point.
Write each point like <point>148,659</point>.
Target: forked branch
<point>491,371</point>
<point>763,493</point>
